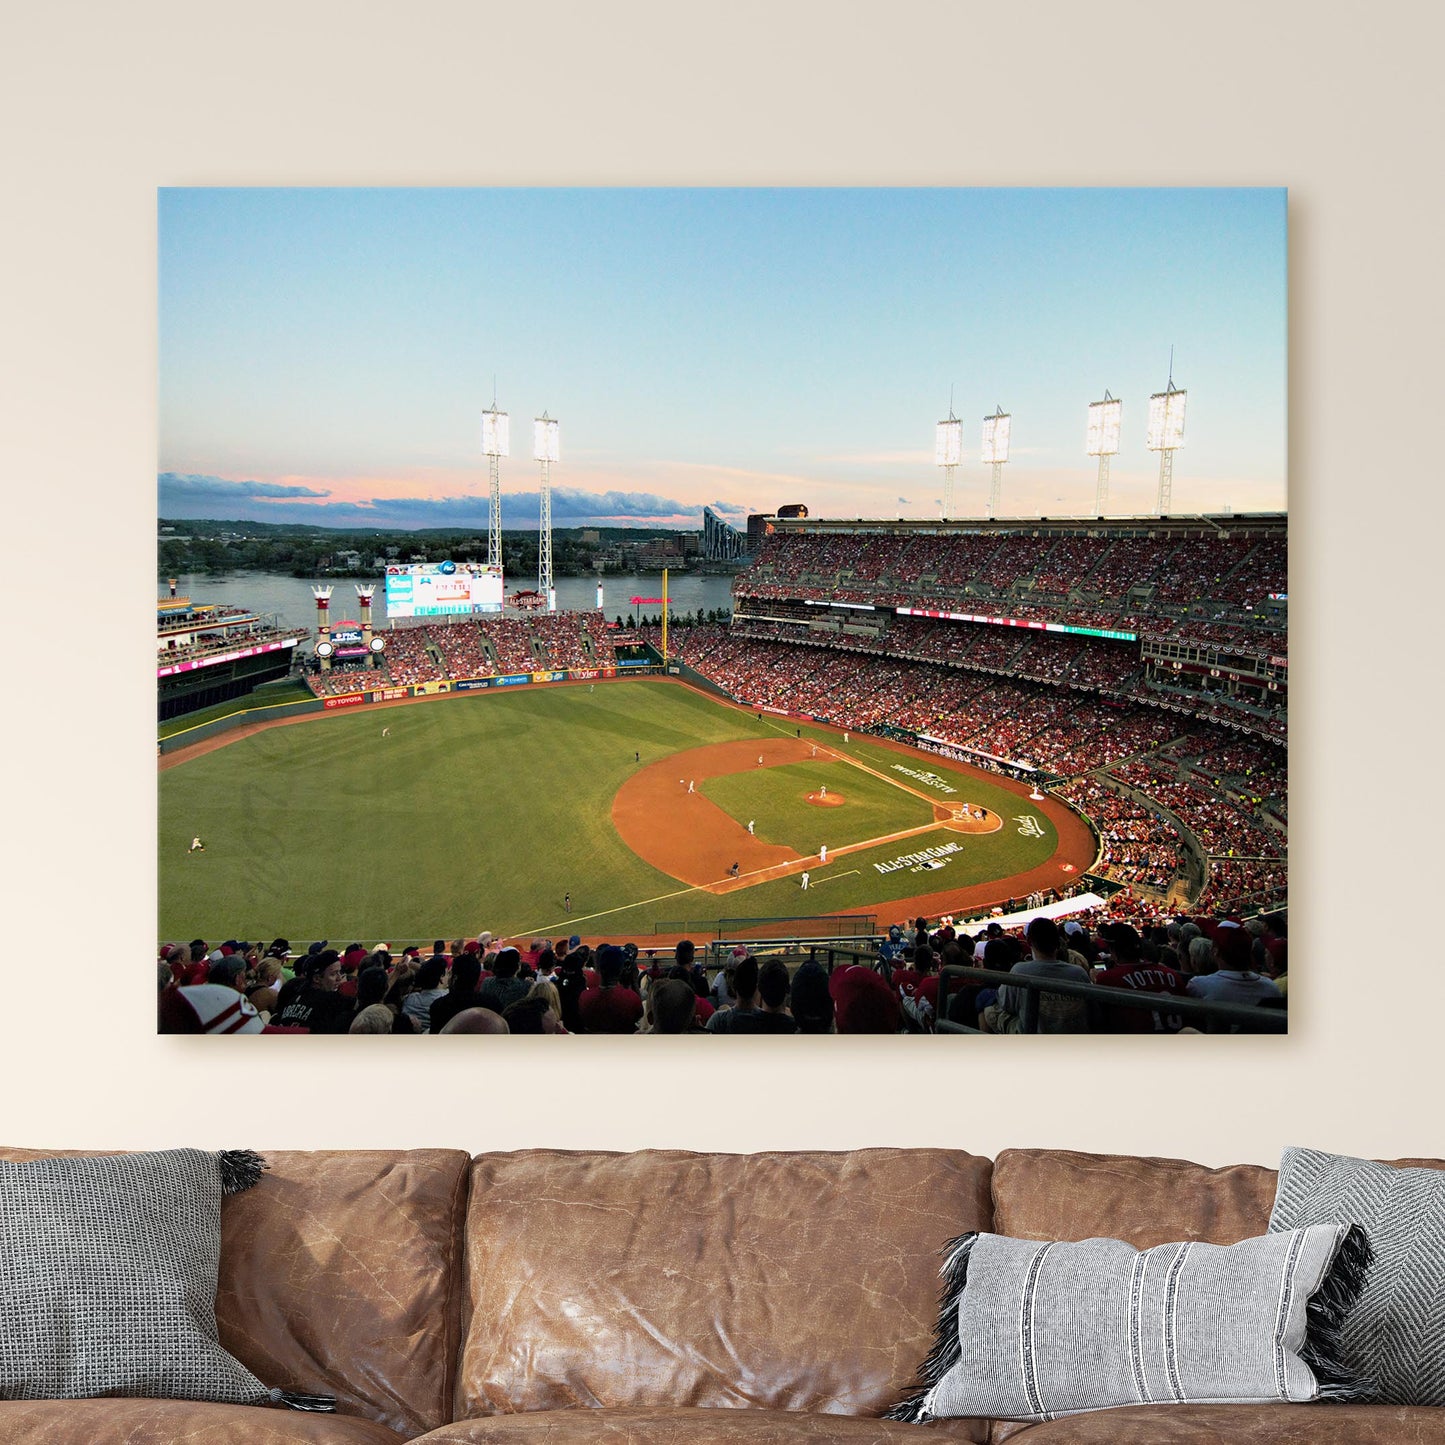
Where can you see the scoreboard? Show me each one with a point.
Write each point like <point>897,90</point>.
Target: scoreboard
<point>439,589</point>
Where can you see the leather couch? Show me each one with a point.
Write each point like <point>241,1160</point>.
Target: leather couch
<point>550,1297</point>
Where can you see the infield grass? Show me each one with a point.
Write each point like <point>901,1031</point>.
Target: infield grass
<point>483,810</point>
<point>777,800</point>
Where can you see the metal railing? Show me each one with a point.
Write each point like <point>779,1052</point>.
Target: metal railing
<point>819,927</point>
<point>855,950</point>
<point>1250,1018</point>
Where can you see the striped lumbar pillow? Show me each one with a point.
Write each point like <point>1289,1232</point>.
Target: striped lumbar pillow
<point>1396,1333</point>
<point>1031,1331</point>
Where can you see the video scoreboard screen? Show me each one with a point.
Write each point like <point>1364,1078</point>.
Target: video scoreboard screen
<point>439,589</point>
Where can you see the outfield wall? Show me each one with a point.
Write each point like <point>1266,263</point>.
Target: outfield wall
<point>694,678</point>
<point>242,717</point>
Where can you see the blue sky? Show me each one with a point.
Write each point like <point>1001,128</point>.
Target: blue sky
<point>325,354</point>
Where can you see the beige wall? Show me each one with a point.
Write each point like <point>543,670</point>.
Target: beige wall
<point>100,104</point>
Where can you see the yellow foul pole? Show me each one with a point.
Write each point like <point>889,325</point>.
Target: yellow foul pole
<point>664,616</point>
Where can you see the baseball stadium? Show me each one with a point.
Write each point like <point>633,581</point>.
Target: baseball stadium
<point>959,722</point>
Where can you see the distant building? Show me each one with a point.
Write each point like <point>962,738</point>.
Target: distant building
<point>589,536</point>
<point>661,552</point>
<point>760,525</point>
<point>722,542</point>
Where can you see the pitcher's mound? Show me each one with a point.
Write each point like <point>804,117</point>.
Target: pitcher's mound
<point>827,800</point>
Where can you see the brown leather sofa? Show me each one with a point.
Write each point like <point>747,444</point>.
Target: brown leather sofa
<point>550,1297</point>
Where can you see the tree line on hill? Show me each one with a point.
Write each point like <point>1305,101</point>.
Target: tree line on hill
<point>207,546</point>
<point>699,618</point>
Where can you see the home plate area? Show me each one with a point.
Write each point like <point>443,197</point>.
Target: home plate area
<point>965,818</point>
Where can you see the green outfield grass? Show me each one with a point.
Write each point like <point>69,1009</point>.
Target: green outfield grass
<point>482,811</point>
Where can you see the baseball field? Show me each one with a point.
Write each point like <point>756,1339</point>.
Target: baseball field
<point>635,806</point>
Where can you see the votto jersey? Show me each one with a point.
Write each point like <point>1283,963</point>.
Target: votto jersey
<point>1147,978</point>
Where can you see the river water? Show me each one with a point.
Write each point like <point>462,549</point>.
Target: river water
<point>291,600</point>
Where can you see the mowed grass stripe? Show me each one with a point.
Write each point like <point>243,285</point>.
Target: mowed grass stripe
<point>482,812</point>
<point>474,813</point>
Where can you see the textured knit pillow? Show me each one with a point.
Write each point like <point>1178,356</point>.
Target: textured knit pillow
<point>1032,1331</point>
<point>108,1279</point>
<point>1396,1333</point>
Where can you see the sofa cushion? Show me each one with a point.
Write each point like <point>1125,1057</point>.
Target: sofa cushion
<point>169,1422</point>
<point>696,1427</point>
<point>787,1281</point>
<point>341,1274</point>
<point>1212,1424</point>
<point>1059,1194</point>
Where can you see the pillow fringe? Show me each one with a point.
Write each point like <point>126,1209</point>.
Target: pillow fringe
<point>240,1169</point>
<point>1325,1317</point>
<point>316,1404</point>
<point>915,1408</point>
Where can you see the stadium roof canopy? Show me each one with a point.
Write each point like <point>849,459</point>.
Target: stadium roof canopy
<point>1217,524</point>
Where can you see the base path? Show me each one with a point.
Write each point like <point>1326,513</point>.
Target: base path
<point>686,835</point>
<point>655,823</point>
<point>661,816</point>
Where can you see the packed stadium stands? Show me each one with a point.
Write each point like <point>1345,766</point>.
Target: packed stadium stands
<point>887,985</point>
<point>451,649</point>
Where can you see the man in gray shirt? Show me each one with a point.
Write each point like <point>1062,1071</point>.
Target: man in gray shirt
<point>1058,1014</point>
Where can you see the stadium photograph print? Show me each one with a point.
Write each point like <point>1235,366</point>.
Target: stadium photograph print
<point>844,611</point>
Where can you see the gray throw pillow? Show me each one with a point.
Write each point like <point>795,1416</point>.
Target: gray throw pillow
<point>108,1278</point>
<point>1032,1331</point>
<point>1396,1333</point>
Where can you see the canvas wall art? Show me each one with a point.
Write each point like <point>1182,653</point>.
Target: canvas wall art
<point>722,610</point>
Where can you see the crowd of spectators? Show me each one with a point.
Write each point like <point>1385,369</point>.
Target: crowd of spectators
<point>574,639</point>
<point>1047,727</point>
<point>464,647</point>
<point>565,986</point>
<point>171,649</point>
<point>1255,772</point>
<point>411,657</point>
<point>1205,589</point>
<point>1224,827</point>
<point>1248,883</point>
<point>347,678</point>
<point>1103,665</point>
<point>1139,846</point>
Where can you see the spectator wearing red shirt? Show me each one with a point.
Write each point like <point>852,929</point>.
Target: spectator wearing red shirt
<point>609,1008</point>
<point>862,1002</point>
<point>1130,970</point>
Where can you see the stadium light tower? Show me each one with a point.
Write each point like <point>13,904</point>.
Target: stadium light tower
<point>1166,435</point>
<point>496,443</point>
<point>947,453</point>
<point>1103,442</point>
<point>996,430</point>
<point>545,450</point>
